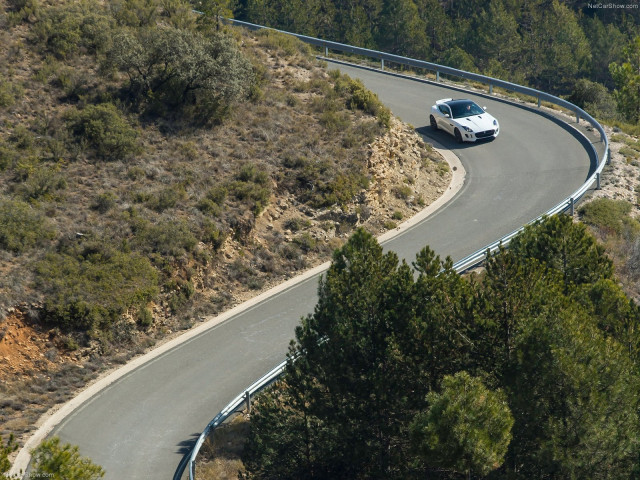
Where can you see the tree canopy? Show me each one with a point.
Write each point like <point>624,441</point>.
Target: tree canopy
<point>521,372</point>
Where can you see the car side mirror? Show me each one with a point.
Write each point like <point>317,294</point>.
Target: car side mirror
<point>484,108</point>
<point>446,115</point>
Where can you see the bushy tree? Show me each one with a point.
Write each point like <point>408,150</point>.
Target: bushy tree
<point>594,98</point>
<point>401,30</point>
<point>170,69</point>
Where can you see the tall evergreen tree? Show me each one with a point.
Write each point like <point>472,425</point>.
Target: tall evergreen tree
<point>497,44</point>
<point>401,30</point>
<point>627,79</point>
<point>465,429</point>
<point>566,247</point>
<point>556,49</point>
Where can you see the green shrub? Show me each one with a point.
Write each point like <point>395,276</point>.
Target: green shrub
<point>629,152</point>
<point>9,92</point>
<point>104,202</point>
<point>181,293</point>
<point>166,198</point>
<point>594,98</point>
<point>22,10</point>
<point>306,242</point>
<point>218,194</point>
<point>251,186</point>
<point>360,98</point>
<point>296,224</point>
<point>172,238</point>
<point>135,173</point>
<point>22,137</point>
<point>8,156</point>
<point>389,225</point>
<point>212,235</point>
<point>341,189</point>
<point>42,182</point>
<point>145,317</point>
<point>283,43</point>
<point>105,129</point>
<point>67,29</point>
<point>335,121</point>
<point>403,192</point>
<point>254,194</point>
<point>397,215</point>
<point>606,214</point>
<point>442,168</point>
<point>21,226</point>
<point>90,286</point>
<point>209,207</point>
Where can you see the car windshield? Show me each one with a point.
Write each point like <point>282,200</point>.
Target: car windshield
<point>464,109</point>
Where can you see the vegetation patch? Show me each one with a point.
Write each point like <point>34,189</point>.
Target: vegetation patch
<point>23,226</point>
<point>89,286</point>
<point>606,214</point>
<point>105,129</point>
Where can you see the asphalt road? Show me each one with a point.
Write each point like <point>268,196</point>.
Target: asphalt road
<point>141,426</point>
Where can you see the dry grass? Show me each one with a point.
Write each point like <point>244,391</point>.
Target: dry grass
<point>220,454</point>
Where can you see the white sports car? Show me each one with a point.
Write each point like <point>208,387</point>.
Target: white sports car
<point>463,119</point>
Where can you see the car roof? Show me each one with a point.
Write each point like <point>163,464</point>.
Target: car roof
<point>459,101</point>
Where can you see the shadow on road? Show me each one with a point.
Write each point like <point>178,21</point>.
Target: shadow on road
<point>184,448</point>
<point>447,141</point>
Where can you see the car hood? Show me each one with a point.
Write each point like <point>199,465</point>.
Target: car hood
<point>477,123</point>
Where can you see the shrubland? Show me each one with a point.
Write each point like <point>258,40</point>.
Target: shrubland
<point>144,155</point>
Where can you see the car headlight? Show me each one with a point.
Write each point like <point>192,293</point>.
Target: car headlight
<point>495,122</point>
<point>467,128</point>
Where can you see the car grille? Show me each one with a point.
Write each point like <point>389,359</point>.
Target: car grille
<point>485,134</point>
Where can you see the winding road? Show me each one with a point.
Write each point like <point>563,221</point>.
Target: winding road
<point>141,425</point>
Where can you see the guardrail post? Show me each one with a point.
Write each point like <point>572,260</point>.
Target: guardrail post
<point>598,181</point>
<point>382,64</point>
<point>491,89</point>
<point>609,157</point>
<point>247,399</point>
<point>539,102</point>
<point>572,206</point>
<point>326,51</point>
<point>438,76</point>
<point>577,117</point>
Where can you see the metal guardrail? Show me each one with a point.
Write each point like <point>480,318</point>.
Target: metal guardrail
<point>244,398</point>
<point>466,263</point>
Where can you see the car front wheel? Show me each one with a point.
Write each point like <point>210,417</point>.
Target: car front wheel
<point>433,122</point>
<point>458,136</point>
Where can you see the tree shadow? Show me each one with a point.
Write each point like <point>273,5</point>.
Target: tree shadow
<point>184,448</point>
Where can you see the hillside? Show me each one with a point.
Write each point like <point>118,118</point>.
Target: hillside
<point>128,215</point>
